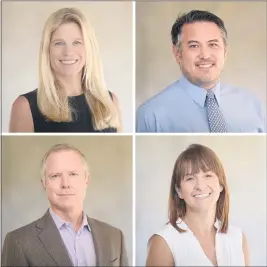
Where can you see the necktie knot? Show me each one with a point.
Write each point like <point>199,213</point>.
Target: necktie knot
<point>210,94</point>
<point>215,117</point>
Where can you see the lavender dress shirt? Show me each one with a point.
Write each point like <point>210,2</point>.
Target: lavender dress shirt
<point>80,245</point>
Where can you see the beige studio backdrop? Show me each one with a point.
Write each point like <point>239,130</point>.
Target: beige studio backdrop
<point>156,67</point>
<point>23,23</point>
<point>109,194</point>
<point>244,161</point>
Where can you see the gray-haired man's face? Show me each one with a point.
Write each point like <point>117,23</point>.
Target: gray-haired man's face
<point>202,53</point>
<point>65,180</point>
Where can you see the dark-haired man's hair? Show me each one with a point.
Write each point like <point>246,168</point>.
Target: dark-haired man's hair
<point>194,16</point>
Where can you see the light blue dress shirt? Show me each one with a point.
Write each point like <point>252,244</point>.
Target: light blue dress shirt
<point>79,245</point>
<point>180,108</point>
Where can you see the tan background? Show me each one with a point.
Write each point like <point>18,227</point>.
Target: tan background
<point>109,195</point>
<point>23,23</point>
<point>156,67</point>
<point>1,64</point>
<point>0,117</point>
<point>244,160</point>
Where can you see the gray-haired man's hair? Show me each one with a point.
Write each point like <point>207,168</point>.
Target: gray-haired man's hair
<point>63,147</point>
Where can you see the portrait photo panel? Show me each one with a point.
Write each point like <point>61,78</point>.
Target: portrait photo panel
<point>108,193</point>
<point>185,49</point>
<point>22,26</point>
<point>156,67</point>
<point>243,159</point>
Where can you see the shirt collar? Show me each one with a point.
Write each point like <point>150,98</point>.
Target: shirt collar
<point>181,224</point>
<point>197,93</point>
<point>59,222</point>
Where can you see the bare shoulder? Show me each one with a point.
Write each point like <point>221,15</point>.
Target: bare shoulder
<point>159,253</point>
<point>115,99</point>
<point>245,250</point>
<point>21,117</point>
<point>116,103</point>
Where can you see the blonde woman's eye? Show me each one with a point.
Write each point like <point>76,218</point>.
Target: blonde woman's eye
<point>77,42</point>
<point>59,43</point>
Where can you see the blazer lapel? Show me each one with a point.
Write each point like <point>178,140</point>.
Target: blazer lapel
<point>100,244</point>
<point>51,239</point>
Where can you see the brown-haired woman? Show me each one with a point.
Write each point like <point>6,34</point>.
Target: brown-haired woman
<point>198,233</point>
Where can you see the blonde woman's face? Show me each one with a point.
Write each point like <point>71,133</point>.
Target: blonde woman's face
<point>67,51</point>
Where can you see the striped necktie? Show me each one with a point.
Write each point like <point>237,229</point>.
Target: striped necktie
<point>215,117</point>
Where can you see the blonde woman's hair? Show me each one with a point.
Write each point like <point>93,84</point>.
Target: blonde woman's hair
<point>63,147</point>
<point>52,103</point>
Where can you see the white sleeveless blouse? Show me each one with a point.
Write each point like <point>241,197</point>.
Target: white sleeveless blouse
<point>187,251</point>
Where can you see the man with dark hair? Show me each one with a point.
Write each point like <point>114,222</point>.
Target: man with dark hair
<point>198,102</point>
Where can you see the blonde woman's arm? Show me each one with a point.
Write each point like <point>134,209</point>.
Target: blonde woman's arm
<point>116,102</point>
<point>21,117</point>
<point>246,251</point>
<point>159,253</point>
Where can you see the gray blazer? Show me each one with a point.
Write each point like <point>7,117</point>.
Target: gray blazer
<point>40,244</point>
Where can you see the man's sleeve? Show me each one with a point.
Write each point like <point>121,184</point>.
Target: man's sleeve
<point>264,117</point>
<point>261,110</point>
<point>145,121</point>
<point>124,258</point>
<point>12,254</point>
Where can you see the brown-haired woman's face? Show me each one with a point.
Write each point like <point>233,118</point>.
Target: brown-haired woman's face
<point>200,191</point>
<point>67,51</point>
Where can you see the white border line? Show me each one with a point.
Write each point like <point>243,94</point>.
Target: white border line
<point>67,134</point>
<point>201,134</point>
<point>133,135</point>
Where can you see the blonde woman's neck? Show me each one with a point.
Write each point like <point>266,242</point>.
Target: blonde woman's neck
<point>71,85</point>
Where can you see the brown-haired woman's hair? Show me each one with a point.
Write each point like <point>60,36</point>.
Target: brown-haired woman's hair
<point>195,158</point>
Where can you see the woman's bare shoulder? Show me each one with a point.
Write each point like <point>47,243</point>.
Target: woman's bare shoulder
<point>159,253</point>
<point>21,117</point>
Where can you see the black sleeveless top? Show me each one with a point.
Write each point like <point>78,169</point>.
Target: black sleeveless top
<point>82,119</point>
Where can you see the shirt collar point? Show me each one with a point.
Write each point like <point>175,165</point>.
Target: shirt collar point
<point>181,224</point>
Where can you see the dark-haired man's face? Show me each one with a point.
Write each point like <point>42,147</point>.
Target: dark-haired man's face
<point>202,53</point>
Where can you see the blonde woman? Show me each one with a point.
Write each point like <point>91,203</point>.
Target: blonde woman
<point>71,95</point>
<point>198,233</point>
